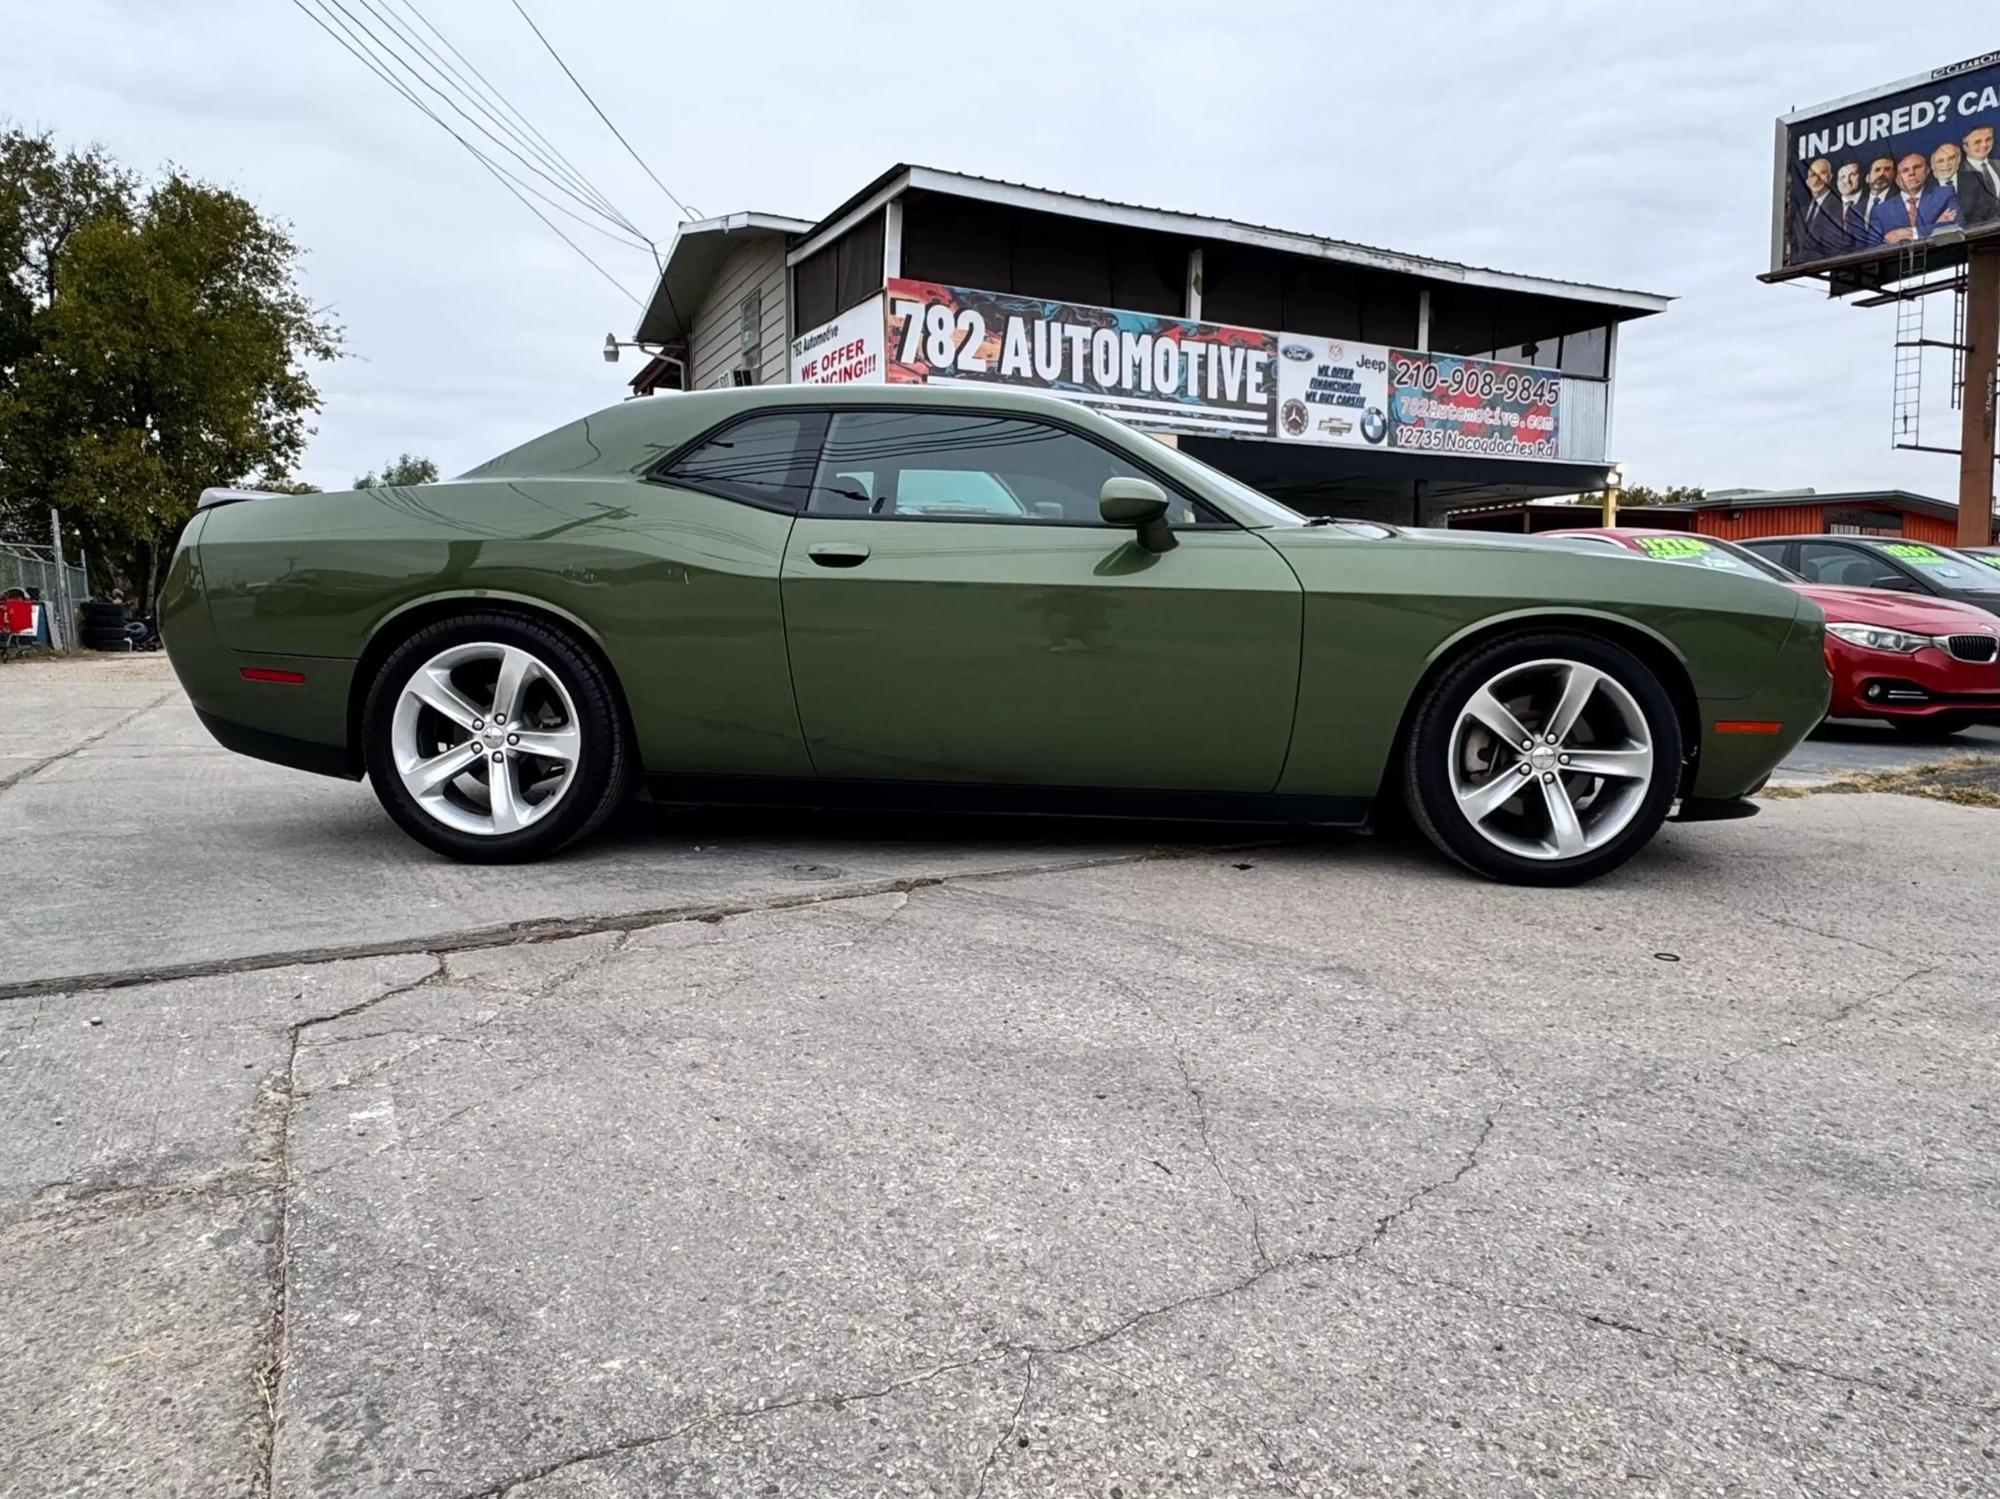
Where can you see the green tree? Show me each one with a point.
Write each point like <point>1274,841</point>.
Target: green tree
<point>1640,494</point>
<point>409,468</point>
<point>153,342</point>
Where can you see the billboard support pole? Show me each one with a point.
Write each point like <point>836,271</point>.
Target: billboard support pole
<point>1982,333</point>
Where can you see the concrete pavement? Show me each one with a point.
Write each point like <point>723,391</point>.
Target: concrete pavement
<point>1078,1168</point>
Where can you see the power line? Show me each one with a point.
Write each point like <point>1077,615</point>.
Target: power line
<point>526,132</point>
<point>515,183</point>
<point>369,62</point>
<point>686,212</point>
<point>389,54</point>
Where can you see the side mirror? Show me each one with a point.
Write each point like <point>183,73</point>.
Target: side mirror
<point>1142,505</point>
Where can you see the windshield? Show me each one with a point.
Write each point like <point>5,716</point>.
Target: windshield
<point>1706,551</point>
<point>1948,568</point>
<point>1254,500</point>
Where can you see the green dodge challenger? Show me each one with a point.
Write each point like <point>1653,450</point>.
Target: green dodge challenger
<point>975,599</point>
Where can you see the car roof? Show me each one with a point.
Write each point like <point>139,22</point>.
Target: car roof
<point>1866,541</point>
<point>1615,532</point>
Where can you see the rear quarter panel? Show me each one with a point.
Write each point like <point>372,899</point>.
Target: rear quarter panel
<point>678,590</point>
<point>1381,614</point>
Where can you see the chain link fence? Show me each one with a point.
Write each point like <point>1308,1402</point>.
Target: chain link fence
<point>33,570</point>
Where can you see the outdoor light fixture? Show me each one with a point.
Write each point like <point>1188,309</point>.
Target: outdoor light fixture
<point>610,348</point>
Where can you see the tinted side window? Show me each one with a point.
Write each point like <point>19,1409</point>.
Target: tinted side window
<point>764,460</point>
<point>964,466</point>
<point>1847,567</point>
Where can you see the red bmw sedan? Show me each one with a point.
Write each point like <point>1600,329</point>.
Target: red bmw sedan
<point>1926,666</point>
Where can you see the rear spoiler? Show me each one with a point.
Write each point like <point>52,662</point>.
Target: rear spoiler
<point>211,497</point>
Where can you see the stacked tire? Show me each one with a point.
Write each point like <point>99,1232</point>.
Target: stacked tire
<point>104,625</point>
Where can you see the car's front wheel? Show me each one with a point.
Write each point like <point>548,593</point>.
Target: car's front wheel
<point>1546,759</point>
<point>494,738</point>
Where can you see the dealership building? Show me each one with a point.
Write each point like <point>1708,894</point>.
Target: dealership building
<point>1745,514</point>
<point>1341,378</point>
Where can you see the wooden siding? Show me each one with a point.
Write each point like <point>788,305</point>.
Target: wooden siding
<point>1810,520</point>
<point>714,350</point>
<point>1929,528</point>
<point>1758,520</point>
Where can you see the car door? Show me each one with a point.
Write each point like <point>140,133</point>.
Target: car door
<point>957,610</point>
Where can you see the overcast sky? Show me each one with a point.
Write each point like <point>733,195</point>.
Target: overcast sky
<point>1624,145</point>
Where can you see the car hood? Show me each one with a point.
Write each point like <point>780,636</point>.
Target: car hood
<point>1897,611</point>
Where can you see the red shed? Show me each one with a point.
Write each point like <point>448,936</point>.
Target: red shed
<point>1739,514</point>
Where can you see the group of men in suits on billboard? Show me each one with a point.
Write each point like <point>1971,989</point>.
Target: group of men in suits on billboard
<point>1896,199</point>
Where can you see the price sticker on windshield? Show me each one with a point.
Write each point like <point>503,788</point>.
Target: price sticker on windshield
<point>1671,546</point>
<point>1911,551</point>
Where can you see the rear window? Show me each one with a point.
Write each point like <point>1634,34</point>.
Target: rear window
<point>764,460</point>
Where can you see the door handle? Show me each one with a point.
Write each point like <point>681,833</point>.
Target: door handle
<point>838,553</point>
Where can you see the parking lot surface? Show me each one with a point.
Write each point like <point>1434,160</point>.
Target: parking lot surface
<point>808,1155</point>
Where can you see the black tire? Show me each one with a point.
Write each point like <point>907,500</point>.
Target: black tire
<point>1935,729</point>
<point>103,614</point>
<point>606,764</point>
<point>1427,766</point>
<point>104,641</point>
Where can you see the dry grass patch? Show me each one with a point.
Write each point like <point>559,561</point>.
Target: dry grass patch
<point>1964,780</point>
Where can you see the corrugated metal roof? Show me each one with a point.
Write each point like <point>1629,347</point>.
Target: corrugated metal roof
<point>660,321</point>
<point>1202,226</point>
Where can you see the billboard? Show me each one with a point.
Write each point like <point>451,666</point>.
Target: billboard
<point>1158,373</point>
<point>1333,391</point>
<point>1442,403</point>
<point>1168,374</point>
<point>1865,178</point>
<point>845,351</point>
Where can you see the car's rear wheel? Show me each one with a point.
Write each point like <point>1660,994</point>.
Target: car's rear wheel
<point>495,738</point>
<point>1545,759</point>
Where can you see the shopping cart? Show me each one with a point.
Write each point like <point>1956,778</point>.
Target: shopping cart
<point>20,626</point>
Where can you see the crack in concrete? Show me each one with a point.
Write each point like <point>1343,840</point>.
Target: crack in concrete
<point>1390,1219</point>
<point>10,781</point>
<point>539,929</point>
<point>1814,931</point>
<point>1243,1199</point>
<point>1013,1425</point>
<point>626,1445</point>
<point>1004,1350</point>
<point>271,1144</point>
<point>1728,1347</point>
<point>1842,1013</point>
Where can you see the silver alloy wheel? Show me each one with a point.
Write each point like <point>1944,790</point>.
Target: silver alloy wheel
<point>1551,759</point>
<point>485,738</point>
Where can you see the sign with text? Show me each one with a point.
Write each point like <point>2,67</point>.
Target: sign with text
<point>1156,373</point>
<point>845,351</point>
<point>1870,176</point>
<point>1441,403</point>
<point>1330,390</point>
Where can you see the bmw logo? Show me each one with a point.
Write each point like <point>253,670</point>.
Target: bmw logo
<point>1374,425</point>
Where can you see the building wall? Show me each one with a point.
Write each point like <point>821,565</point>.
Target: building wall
<point>1809,519</point>
<point>715,347</point>
<point>1758,520</point>
<point>1930,528</point>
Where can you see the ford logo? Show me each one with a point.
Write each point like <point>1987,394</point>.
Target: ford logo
<point>1296,351</point>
